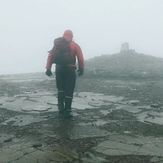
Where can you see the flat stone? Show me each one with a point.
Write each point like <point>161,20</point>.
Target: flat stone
<point>134,102</point>
<point>10,99</point>
<point>22,120</point>
<point>110,99</point>
<point>90,96</point>
<point>100,122</point>
<point>156,159</point>
<point>32,106</point>
<point>8,139</point>
<point>86,131</point>
<point>155,120</point>
<point>151,149</point>
<point>55,156</point>
<point>26,159</point>
<point>156,114</point>
<point>28,150</point>
<point>52,102</point>
<point>24,98</point>
<point>92,100</point>
<point>154,105</point>
<point>8,155</point>
<point>23,154</point>
<point>81,104</point>
<point>127,145</point>
<point>117,152</point>
<point>96,103</point>
<point>105,112</point>
<point>127,132</point>
<point>61,155</point>
<point>143,108</point>
<point>41,156</point>
<point>5,137</point>
<point>17,105</point>
<point>131,109</point>
<point>121,147</point>
<point>36,108</point>
<point>93,160</point>
<point>142,116</point>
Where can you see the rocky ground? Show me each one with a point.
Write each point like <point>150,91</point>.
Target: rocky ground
<point>115,121</point>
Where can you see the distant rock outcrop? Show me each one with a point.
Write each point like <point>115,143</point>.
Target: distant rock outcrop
<point>128,64</point>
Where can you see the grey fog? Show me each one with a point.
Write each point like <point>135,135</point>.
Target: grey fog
<point>28,28</point>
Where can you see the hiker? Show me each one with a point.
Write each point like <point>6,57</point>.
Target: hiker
<point>66,72</point>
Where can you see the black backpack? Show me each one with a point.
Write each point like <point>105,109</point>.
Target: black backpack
<point>61,51</point>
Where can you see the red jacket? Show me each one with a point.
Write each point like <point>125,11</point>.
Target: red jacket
<point>75,50</point>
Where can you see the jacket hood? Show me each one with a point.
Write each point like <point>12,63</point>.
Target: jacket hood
<point>68,35</point>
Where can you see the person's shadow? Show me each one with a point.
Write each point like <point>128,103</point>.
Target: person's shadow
<point>65,129</point>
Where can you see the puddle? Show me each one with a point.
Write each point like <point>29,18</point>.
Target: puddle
<point>69,130</point>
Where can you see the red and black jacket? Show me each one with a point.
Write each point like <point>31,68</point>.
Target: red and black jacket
<point>75,51</point>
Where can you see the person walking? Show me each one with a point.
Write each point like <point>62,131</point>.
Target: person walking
<point>66,74</point>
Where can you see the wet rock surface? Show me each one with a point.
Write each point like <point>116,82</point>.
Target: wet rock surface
<point>113,121</point>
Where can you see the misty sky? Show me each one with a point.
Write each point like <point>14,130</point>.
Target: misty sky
<point>28,28</point>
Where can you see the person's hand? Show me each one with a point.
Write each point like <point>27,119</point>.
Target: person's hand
<point>48,72</point>
<point>80,72</point>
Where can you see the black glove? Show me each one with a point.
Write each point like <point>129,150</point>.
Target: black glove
<point>48,72</point>
<point>80,72</point>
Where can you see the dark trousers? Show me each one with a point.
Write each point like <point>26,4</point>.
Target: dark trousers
<point>65,80</point>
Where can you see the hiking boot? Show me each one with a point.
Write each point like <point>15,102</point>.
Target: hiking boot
<point>67,115</point>
<point>61,107</point>
<point>61,115</point>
